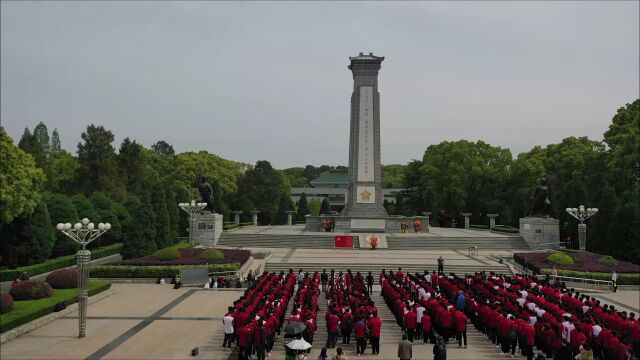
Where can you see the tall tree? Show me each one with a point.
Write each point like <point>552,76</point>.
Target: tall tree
<point>55,141</point>
<point>20,181</point>
<point>62,173</point>
<point>32,235</point>
<point>141,240</point>
<point>41,134</point>
<point>324,207</point>
<point>163,148</point>
<point>99,171</point>
<point>264,186</point>
<point>400,208</point>
<point>303,208</point>
<point>285,205</point>
<point>131,163</point>
<point>29,143</point>
<point>104,207</point>
<point>159,204</point>
<point>62,210</point>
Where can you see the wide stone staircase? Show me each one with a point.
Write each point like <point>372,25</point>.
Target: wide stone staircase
<point>395,242</point>
<point>314,241</point>
<point>375,268</point>
<point>510,243</point>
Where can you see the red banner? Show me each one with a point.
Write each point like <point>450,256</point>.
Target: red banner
<point>343,241</point>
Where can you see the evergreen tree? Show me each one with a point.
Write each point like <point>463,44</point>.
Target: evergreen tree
<point>163,148</point>
<point>174,215</point>
<point>104,207</point>
<point>62,210</point>
<point>41,134</point>
<point>29,143</point>
<point>159,204</point>
<point>141,240</point>
<point>97,157</point>
<point>55,141</point>
<point>400,209</point>
<point>32,235</point>
<point>324,207</point>
<point>131,163</point>
<point>285,205</point>
<point>303,208</point>
<point>84,208</point>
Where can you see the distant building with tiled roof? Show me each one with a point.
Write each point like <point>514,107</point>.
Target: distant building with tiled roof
<point>333,184</point>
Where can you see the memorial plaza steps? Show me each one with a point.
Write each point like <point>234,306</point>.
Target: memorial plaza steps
<point>394,241</point>
<point>375,268</point>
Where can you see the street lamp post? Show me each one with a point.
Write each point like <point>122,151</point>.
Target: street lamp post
<point>192,208</point>
<point>582,214</point>
<point>83,233</point>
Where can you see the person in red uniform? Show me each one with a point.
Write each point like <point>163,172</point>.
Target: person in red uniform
<point>400,276</point>
<point>333,323</point>
<point>427,330</point>
<point>360,328</point>
<point>346,326</point>
<point>461,327</point>
<point>375,325</point>
<point>244,342</point>
<point>528,337</point>
<point>410,323</point>
<point>446,323</point>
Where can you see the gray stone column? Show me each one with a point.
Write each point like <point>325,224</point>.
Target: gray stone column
<point>466,219</point>
<point>255,217</point>
<point>290,217</point>
<point>582,236</point>
<point>236,216</point>
<point>426,215</point>
<point>492,220</point>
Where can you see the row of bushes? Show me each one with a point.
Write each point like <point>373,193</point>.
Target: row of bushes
<point>479,227</point>
<point>57,263</point>
<point>154,272</point>
<point>505,229</point>
<point>623,278</point>
<point>28,310</point>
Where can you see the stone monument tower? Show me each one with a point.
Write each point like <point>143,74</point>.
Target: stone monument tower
<point>364,194</point>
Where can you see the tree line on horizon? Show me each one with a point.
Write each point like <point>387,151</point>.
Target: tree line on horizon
<point>137,189</point>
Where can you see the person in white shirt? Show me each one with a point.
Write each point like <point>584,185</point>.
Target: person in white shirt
<point>614,280</point>
<point>520,301</point>
<point>422,294</point>
<point>524,294</point>
<point>228,328</point>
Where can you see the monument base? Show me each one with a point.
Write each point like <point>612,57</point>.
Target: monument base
<point>206,228</point>
<point>540,232</point>
<point>365,224</point>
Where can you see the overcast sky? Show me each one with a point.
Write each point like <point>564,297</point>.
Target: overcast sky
<point>260,80</point>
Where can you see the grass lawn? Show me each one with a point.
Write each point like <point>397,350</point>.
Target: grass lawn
<point>27,310</point>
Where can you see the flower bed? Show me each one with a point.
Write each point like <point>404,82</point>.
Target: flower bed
<point>149,272</point>
<point>583,261</point>
<point>191,256</point>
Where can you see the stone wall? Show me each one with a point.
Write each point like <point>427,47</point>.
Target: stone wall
<point>207,228</point>
<point>538,231</point>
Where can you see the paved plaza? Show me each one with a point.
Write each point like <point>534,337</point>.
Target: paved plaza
<point>149,321</point>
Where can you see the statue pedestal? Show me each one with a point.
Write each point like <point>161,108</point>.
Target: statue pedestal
<point>206,228</point>
<point>540,233</point>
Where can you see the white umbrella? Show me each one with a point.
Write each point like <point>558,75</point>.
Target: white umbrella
<point>298,344</point>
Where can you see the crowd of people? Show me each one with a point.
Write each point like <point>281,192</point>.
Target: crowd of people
<point>521,312</point>
<point>255,318</point>
<point>352,312</point>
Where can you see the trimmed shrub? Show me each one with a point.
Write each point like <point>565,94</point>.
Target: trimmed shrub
<point>479,227</point>
<point>168,271</point>
<point>505,229</point>
<point>31,289</point>
<point>7,303</point>
<point>57,263</point>
<point>168,254</point>
<point>212,254</point>
<point>560,259</point>
<point>607,260</point>
<point>25,311</point>
<point>63,279</point>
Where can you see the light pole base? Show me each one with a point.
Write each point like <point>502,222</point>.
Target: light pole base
<point>582,236</point>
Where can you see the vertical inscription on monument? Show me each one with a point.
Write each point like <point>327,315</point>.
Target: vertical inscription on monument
<point>365,140</point>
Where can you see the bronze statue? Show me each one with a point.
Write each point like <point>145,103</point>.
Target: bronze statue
<point>541,205</point>
<point>206,192</point>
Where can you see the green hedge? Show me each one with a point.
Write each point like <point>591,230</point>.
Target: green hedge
<point>623,278</point>
<point>168,254</point>
<point>57,263</point>
<point>505,229</point>
<point>230,226</point>
<point>248,223</point>
<point>478,227</point>
<point>212,254</point>
<point>154,272</point>
<point>607,260</point>
<point>28,310</point>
